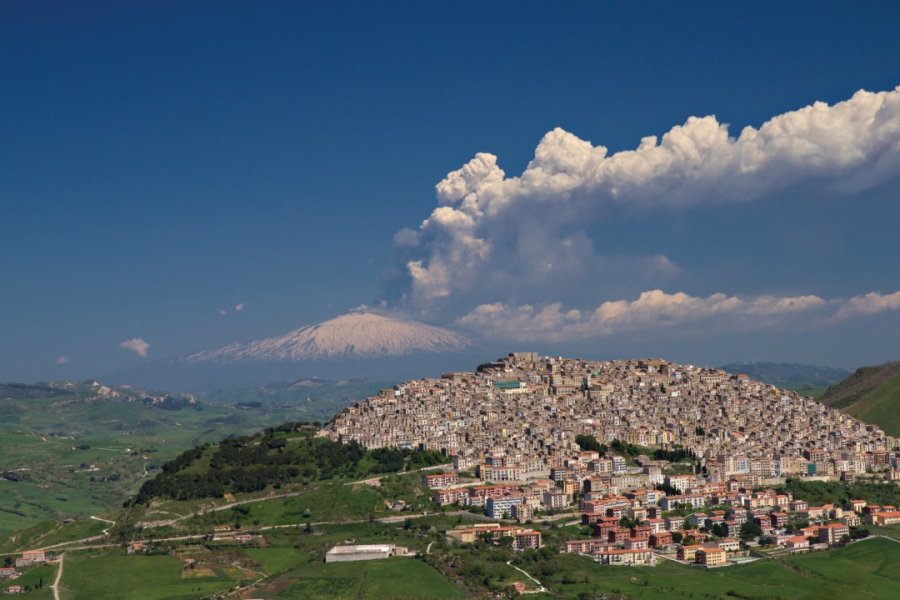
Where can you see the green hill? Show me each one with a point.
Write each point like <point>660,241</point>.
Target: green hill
<point>72,449</point>
<point>289,453</point>
<point>871,394</point>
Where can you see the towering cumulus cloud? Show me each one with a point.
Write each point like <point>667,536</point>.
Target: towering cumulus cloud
<point>522,239</point>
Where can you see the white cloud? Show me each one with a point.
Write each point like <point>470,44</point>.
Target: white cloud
<point>239,307</point>
<point>515,237</point>
<point>222,312</point>
<point>868,304</point>
<point>136,345</point>
<point>653,309</point>
<point>62,360</point>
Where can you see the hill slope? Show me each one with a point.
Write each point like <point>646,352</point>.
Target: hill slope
<point>810,380</point>
<point>76,448</point>
<point>871,394</point>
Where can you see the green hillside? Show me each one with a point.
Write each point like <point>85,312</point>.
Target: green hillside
<point>73,449</point>
<point>295,495</point>
<point>871,394</point>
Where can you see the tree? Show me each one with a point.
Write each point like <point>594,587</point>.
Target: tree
<point>589,442</point>
<point>718,530</point>
<point>750,530</point>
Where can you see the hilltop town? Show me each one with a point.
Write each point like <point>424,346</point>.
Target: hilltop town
<point>520,416</point>
<point>655,456</point>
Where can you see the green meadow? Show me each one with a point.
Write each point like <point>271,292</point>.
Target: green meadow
<point>116,576</point>
<point>398,578</point>
<point>73,455</point>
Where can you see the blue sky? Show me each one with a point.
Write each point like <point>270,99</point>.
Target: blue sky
<point>160,162</point>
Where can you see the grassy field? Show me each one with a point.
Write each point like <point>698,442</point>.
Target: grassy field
<point>47,447</point>
<point>47,533</point>
<point>397,578</point>
<point>324,503</point>
<point>881,406</point>
<point>38,579</point>
<point>333,500</point>
<point>865,570</point>
<point>117,576</point>
<point>292,562</point>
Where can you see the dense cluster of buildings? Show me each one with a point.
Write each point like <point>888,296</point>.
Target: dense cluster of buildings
<point>518,419</point>
<point>512,430</point>
<point>709,536</point>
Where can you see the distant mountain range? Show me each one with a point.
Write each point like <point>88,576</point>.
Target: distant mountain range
<point>93,391</point>
<point>807,379</point>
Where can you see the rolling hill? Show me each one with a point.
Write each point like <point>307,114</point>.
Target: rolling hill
<point>810,380</point>
<point>70,449</point>
<point>871,394</point>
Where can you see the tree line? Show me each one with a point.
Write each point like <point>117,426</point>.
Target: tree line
<point>272,458</point>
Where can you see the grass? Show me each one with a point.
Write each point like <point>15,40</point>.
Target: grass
<point>116,576</point>
<point>274,560</point>
<point>34,577</point>
<point>48,443</point>
<point>891,531</point>
<point>324,501</point>
<point>865,570</point>
<point>47,533</point>
<point>396,578</point>
<point>881,406</point>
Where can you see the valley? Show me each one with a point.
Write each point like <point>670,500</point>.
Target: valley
<point>241,493</point>
<point>75,449</point>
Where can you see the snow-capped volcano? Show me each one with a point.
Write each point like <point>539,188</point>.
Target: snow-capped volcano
<point>357,334</point>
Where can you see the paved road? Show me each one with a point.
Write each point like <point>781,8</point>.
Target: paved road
<point>82,541</point>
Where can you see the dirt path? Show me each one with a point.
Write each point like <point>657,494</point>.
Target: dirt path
<point>105,531</point>
<point>59,573</point>
<point>541,589</point>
